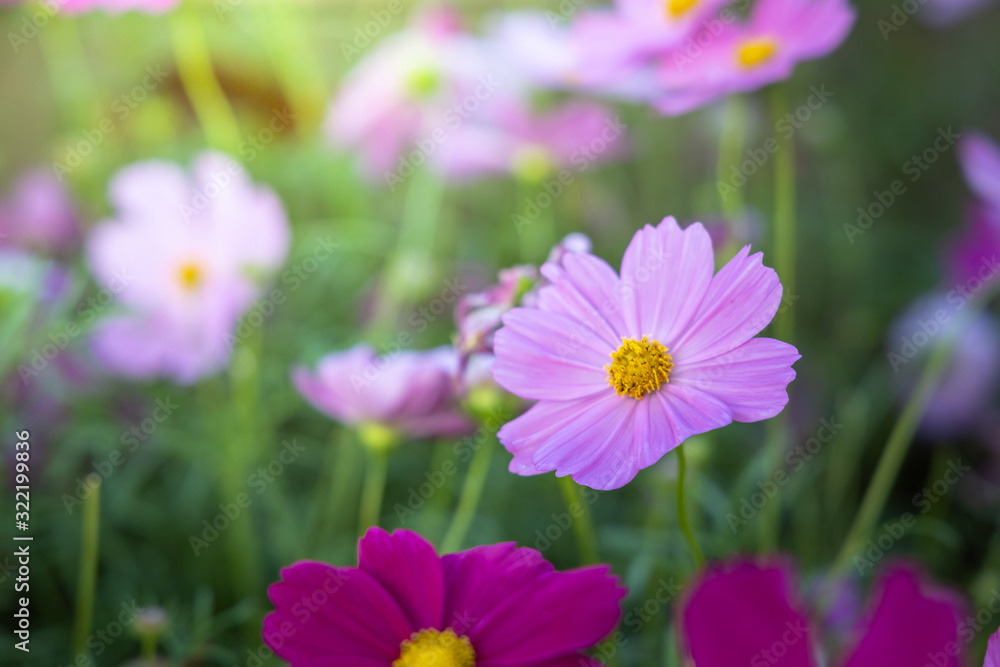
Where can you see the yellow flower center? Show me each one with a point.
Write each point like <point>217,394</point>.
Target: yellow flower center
<point>639,367</point>
<point>532,163</point>
<point>430,648</point>
<point>678,8</point>
<point>190,276</point>
<point>755,52</point>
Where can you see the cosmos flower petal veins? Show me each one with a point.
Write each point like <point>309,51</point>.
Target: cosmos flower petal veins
<point>625,367</point>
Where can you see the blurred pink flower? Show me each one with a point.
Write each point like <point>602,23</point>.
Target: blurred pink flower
<point>993,651</point>
<point>745,57</point>
<point>944,13</point>
<point>910,623</point>
<point>412,87</point>
<point>185,257</point>
<point>411,392</point>
<point>39,215</point>
<point>531,146</point>
<point>980,159</point>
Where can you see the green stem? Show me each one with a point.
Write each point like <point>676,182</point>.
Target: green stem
<point>148,642</point>
<point>89,541</point>
<point>784,320</point>
<point>334,486</point>
<point>472,491</point>
<point>583,525</point>
<point>682,514</point>
<point>892,456</point>
<point>194,66</point>
<point>373,489</point>
<point>730,147</point>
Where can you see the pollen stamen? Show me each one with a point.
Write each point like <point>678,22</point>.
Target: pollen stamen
<point>432,648</point>
<point>756,52</point>
<point>190,276</point>
<point>639,367</point>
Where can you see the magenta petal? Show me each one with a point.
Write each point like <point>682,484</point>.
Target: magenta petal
<point>741,300</point>
<point>559,613</point>
<point>409,569</point>
<point>911,625</point>
<point>744,613</point>
<point>479,579</point>
<point>665,274</point>
<point>751,379</point>
<point>323,611</point>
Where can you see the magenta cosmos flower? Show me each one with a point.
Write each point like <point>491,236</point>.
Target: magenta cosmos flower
<point>409,392</point>
<point>625,368</point>
<point>908,624</point>
<point>406,606</point>
<point>185,258</point>
<point>993,651</point>
<point>746,57</point>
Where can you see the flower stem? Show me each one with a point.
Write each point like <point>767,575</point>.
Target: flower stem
<point>334,486</point>
<point>472,491</point>
<point>730,146</point>
<point>194,66</point>
<point>682,514</point>
<point>583,525</point>
<point>87,582</point>
<point>895,451</point>
<point>373,489</point>
<point>778,429</point>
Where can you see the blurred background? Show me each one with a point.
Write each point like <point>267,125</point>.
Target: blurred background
<point>85,95</point>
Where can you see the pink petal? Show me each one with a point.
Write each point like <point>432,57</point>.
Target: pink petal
<point>409,569</point>
<point>980,158</point>
<point>744,613</point>
<point>665,274</point>
<point>751,379</point>
<point>542,355</point>
<point>909,624</point>
<point>741,300</point>
<point>585,288</point>
<point>993,651</point>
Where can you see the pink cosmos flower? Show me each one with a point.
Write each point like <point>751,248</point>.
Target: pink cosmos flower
<point>909,623</point>
<point>406,606</point>
<point>185,258</point>
<point>742,58</point>
<point>413,86</point>
<point>39,215</point>
<point>409,392</point>
<point>625,368</point>
<point>531,146</point>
